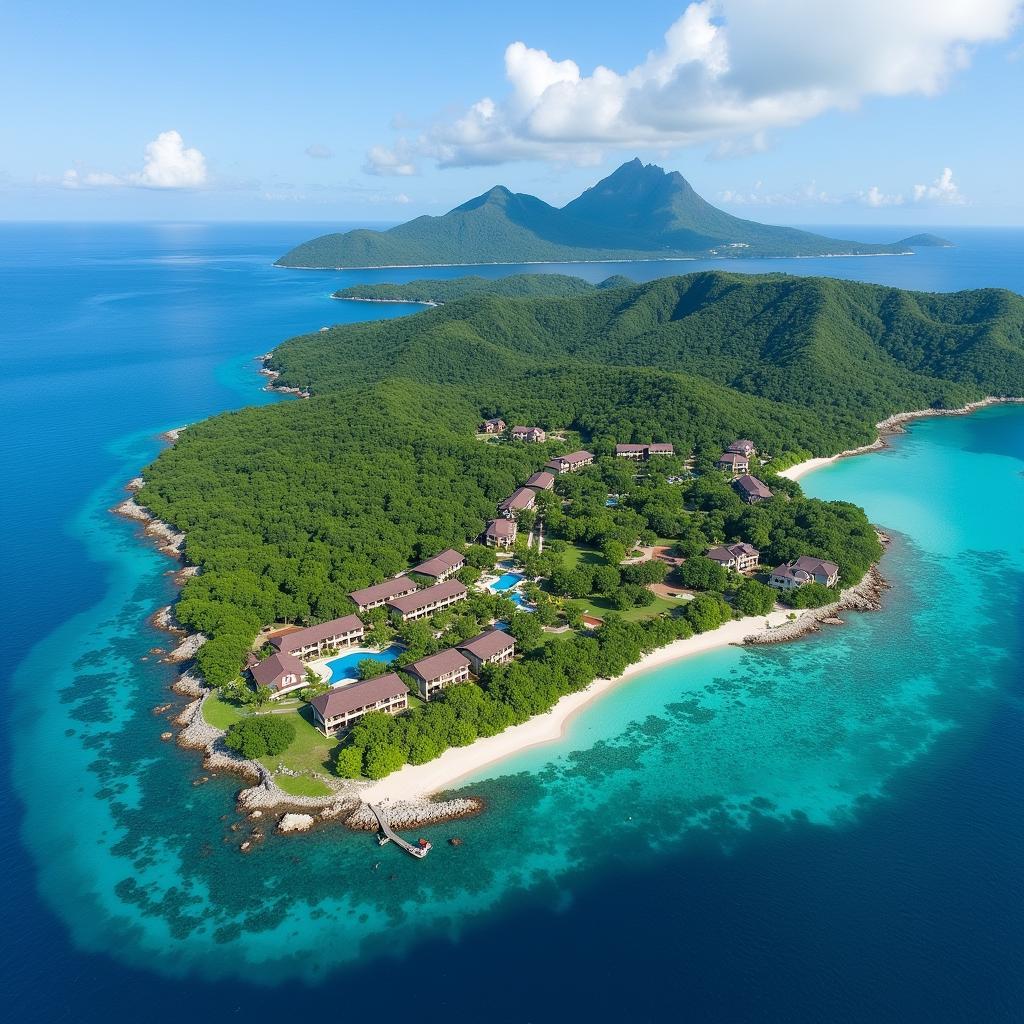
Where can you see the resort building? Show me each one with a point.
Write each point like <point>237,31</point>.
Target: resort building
<point>495,426</point>
<point>441,566</point>
<point>315,641</point>
<point>742,557</point>
<point>642,452</point>
<point>281,673</point>
<point>500,533</point>
<point>426,602</point>
<point>520,501</point>
<point>532,435</point>
<point>542,481</point>
<point>805,569</point>
<point>570,463</point>
<point>751,490</point>
<point>380,593</point>
<point>742,447</point>
<point>733,462</point>
<point>343,706</point>
<point>491,648</point>
<point>435,672</point>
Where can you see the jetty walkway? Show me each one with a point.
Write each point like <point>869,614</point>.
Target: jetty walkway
<point>387,833</point>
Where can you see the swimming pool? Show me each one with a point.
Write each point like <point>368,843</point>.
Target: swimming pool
<point>346,666</point>
<point>522,603</point>
<point>506,582</point>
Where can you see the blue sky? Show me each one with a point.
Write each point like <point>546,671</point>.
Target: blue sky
<point>793,111</point>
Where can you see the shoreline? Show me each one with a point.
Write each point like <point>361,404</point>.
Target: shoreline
<point>419,783</point>
<point>890,426</point>
<point>393,302</point>
<point>625,259</point>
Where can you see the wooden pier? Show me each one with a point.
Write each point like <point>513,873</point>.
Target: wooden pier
<point>388,834</point>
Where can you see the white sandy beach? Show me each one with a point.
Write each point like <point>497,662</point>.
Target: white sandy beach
<point>414,782</point>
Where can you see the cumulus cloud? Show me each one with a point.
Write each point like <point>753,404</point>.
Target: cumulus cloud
<point>727,72</point>
<point>319,152</point>
<point>167,164</point>
<point>944,190</point>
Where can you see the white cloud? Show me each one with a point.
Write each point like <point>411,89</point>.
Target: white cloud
<point>727,71</point>
<point>167,164</point>
<point>944,191</point>
<point>875,197</point>
<point>319,152</point>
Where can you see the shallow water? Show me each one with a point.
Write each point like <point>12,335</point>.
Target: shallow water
<point>828,828</point>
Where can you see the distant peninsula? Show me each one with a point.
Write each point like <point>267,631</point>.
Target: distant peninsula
<point>434,291</point>
<point>639,212</point>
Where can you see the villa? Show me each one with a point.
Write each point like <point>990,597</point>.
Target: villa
<point>500,533</point>
<point>742,557</point>
<point>733,462</point>
<point>521,500</point>
<point>441,566</point>
<point>281,673</point>
<point>380,593</point>
<point>532,435</point>
<point>751,490</point>
<point>345,705</point>
<point>541,481</point>
<point>570,463</point>
<point>742,447</point>
<point>426,602</point>
<point>315,641</point>
<point>495,426</point>
<point>435,672</point>
<point>805,569</point>
<point>642,452</point>
<point>493,647</point>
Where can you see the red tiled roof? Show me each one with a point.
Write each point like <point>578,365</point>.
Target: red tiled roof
<point>382,591</point>
<point>488,644</point>
<point>440,564</point>
<point>440,664</point>
<point>314,634</point>
<point>438,592</point>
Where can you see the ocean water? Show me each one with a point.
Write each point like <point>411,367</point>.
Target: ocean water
<point>827,830</point>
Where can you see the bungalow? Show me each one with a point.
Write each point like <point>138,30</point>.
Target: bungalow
<point>495,426</point>
<point>281,673</point>
<point>641,452</point>
<point>541,481</point>
<point>345,705</point>
<point>532,435</point>
<point>491,648</point>
<point>570,463</point>
<point>804,569</point>
<point>314,641</point>
<point>380,593</point>
<point>441,566</point>
<point>751,490</point>
<point>500,533</point>
<point>733,463</point>
<point>521,500</point>
<point>437,671</point>
<point>742,557</point>
<point>742,447</point>
<point>426,602</point>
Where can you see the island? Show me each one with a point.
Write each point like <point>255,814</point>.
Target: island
<point>639,212</point>
<point>494,507</point>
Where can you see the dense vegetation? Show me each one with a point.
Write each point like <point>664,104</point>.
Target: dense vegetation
<point>260,737</point>
<point>636,212</point>
<point>517,286</point>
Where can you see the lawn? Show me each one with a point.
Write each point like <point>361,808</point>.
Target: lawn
<point>576,555</point>
<point>601,606</point>
<point>219,713</point>
<point>310,751</point>
<point>302,786</point>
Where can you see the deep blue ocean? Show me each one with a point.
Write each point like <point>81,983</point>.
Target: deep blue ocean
<point>831,830</point>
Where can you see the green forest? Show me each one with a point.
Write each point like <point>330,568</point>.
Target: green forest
<point>288,507</point>
<point>517,286</point>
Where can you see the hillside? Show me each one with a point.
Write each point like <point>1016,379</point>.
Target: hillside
<point>289,506</point>
<point>638,212</point>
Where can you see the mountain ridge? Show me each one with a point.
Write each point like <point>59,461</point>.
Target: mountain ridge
<point>638,212</point>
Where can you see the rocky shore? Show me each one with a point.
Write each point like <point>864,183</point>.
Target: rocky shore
<point>272,384</point>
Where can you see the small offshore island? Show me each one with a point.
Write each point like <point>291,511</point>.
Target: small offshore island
<point>495,507</point>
